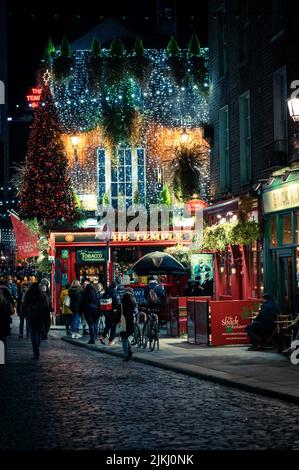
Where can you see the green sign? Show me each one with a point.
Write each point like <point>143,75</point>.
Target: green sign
<point>96,256</point>
<point>64,254</point>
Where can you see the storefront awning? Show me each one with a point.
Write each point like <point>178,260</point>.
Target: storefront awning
<point>222,207</point>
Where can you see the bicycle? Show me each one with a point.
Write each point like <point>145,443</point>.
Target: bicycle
<point>150,331</point>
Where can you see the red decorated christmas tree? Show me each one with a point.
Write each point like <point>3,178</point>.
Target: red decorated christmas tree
<point>46,193</point>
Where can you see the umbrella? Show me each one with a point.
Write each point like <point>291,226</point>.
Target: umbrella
<point>158,262</point>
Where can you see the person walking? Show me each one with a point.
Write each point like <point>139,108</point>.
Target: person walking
<point>110,308</point>
<point>65,307</point>
<point>128,307</point>
<point>24,290</point>
<point>45,288</point>
<point>5,319</point>
<point>89,307</point>
<point>75,293</point>
<point>38,314</point>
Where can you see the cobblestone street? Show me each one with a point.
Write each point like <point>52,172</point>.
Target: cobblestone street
<point>74,398</point>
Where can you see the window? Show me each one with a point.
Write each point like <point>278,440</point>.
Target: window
<point>101,175</point>
<point>121,178</point>
<point>273,231</point>
<point>278,16</point>
<point>245,138</point>
<point>224,149</point>
<point>141,175</point>
<point>286,227</point>
<point>222,42</point>
<point>280,95</point>
<point>243,31</point>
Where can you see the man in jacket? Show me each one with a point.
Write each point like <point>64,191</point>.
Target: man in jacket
<point>75,293</point>
<point>264,324</point>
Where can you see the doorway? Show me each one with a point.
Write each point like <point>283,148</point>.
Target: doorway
<point>286,281</point>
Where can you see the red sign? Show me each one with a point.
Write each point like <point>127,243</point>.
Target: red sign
<point>229,319</point>
<point>33,98</point>
<point>26,241</point>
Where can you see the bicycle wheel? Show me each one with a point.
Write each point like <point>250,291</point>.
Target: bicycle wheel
<point>136,339</point>
<point>154,337</point>
<point>145,335</point>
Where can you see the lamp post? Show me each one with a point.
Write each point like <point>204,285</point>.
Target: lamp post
<point>293,105</point>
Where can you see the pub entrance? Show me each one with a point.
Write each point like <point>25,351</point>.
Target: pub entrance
<point>286,280</point>
<point>91,264</point>
<point>95,272</point>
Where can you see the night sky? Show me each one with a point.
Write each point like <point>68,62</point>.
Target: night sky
<point>32,22</point>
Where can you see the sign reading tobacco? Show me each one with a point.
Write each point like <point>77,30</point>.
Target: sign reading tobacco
<point>98,256</point>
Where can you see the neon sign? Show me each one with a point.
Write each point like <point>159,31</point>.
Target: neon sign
<point>33,98</point>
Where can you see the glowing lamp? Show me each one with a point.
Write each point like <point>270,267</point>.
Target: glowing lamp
<point>184,135</point>
<point>75,140</point>
<point>233,269</point>
<point>293,105</point>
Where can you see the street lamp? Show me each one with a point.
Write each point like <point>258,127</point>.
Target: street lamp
<point>293,105</point>
<point>184,135</point>
<point>75,139</point>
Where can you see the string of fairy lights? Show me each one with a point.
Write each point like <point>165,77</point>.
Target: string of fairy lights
<point>163,104</point>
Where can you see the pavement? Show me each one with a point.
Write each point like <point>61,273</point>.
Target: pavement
<point>264,372</point>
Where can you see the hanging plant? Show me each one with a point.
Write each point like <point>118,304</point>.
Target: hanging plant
<point>187,169</point>
<point>140,68</point>
<point>245,233</point>
<point>115,65</point>
<point>176,62</point>
<point>198,72</point>
<point>63,63</point>
<point>180,252</point>
<point>95,65</point>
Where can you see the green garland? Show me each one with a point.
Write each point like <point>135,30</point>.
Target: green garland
<point>217,237</point>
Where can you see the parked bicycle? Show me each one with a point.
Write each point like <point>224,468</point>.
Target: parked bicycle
<point>146,329</point>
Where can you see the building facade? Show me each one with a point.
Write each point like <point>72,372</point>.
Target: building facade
<point>253,62</point>
<point>124,118</point>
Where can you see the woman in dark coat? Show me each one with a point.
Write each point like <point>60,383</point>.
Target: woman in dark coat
<point>89,306</point>
<point>5,320</point>
<point>128,308</point>
<point>37,310</point>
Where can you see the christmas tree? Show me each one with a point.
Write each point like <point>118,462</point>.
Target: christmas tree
<point>46,193</point>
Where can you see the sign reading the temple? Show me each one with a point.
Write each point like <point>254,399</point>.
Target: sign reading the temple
<point>278,199</point>
<point>33,97</point>
<point>98,256</point>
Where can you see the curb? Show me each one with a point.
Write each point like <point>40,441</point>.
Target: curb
<point>208,376</point>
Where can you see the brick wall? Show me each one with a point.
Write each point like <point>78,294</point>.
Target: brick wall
<point>266,54</point>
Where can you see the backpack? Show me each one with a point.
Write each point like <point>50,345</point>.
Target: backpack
<point>152,297</point>
<point>67,301</point>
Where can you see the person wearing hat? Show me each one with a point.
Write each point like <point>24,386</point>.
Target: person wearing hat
<point>264,324</point>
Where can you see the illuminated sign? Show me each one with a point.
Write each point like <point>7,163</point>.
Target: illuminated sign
<point>285,197</point>
<point>83,256</point>
<point>151,236</point>
<point>33,98</point>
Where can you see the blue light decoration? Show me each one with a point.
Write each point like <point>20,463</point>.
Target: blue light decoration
<point>160,108</point>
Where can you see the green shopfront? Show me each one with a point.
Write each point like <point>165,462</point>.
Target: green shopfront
<point>281,242</point>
